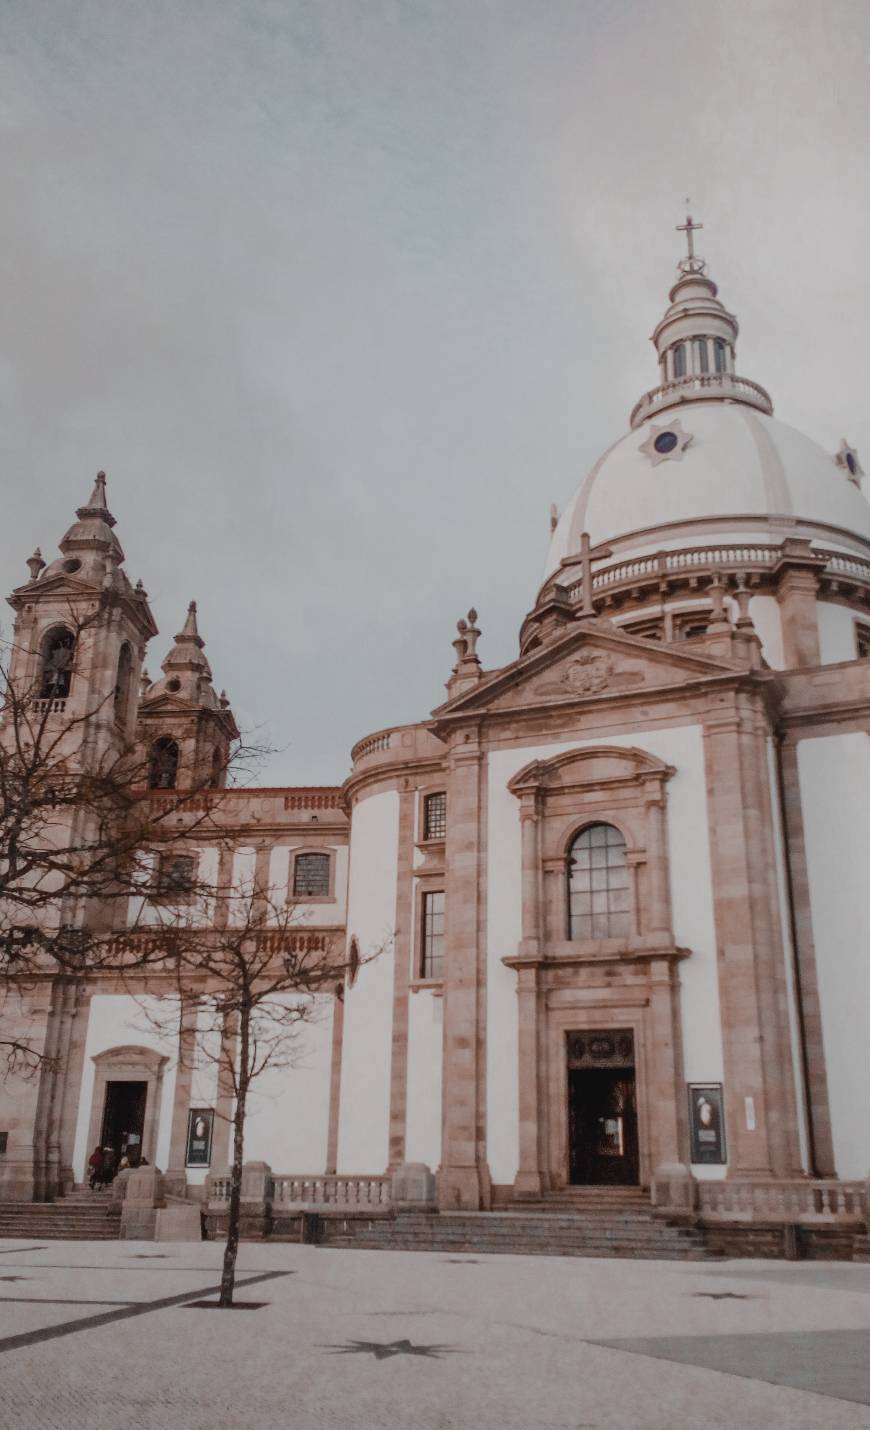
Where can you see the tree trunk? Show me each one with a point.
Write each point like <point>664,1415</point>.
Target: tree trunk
<point>231,1250</point>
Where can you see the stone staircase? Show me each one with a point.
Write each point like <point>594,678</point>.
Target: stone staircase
<point>79,1216</point>
<point>577,1222</point>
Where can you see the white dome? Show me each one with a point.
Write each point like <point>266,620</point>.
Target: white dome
<point>743,475</point>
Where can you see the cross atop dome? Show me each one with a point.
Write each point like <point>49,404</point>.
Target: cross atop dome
<point>691,263</point>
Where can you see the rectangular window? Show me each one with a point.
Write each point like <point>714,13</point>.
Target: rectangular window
<point>4,1142</point>
<point>432,964</point>
<point>719,356</point>
<point>311,876</point>
<point>862,642</point>
<point>680,360</point>
<point>700,346</point>
<point>435,816</point>
<point>175,874</point>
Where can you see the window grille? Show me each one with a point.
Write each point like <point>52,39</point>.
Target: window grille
<point>432,965</point>
<point>311,876</point>
<point>598,884</point>
<point>435,816</point>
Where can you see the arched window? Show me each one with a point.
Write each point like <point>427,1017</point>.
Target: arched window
<point>123,684</point>
<point>701,359</point>
<point>680,360</point>
<point>163,764</point>
<point>598,888</point>
<point>55,678</point>
<point>311,876</point>
<point>720,355</point>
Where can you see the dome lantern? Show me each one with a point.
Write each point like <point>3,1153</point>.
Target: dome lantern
<point>696,344</point>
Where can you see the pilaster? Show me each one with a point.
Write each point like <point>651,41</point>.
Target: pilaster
<point>759,1086</point>
<point>463,1182</point>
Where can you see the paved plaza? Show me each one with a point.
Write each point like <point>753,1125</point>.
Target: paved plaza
<point>104,1334</point>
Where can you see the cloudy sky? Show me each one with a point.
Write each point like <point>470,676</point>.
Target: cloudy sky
<point>343,294</point>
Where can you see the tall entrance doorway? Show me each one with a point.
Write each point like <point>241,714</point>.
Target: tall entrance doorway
<point>124,1119</point>
<point>602,1108</point>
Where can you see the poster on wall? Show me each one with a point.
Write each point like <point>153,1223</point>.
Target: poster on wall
<point>707,1123</point>
<point>200,1121</point>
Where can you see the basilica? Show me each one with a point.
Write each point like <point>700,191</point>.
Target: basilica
<point>619,886</point>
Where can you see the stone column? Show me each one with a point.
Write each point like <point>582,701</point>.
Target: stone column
<point>796,593</point>
<point>463,1182</point>
<point>665,1096</point>
<point>401,977</point>
<point>657,913</point>
<point>72,1085</point>
<point>810,1013</point>
<point>759,1085</point>
<point>223,1111</point>
<point>527,1183</point>
<point>335,1081</point>
<point>531,873</point>
<point>176,1170</point>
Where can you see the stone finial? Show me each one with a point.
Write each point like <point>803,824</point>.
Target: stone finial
<point>554,516</point>
<point>716,591</point>
<point>743,596</point>
<point>139,590</point>
<point>35,564</point>
<point>144,683</point>
<point>224,700</point>
<point>460,645</point>
<point>472,634</point>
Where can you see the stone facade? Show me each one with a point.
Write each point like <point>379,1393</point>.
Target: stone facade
<point>536,1022</point>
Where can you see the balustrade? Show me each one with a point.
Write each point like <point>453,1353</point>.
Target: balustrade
<point>840,1203</point>
<point>696,387</point>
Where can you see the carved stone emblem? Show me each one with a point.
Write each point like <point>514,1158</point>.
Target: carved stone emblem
<point>588,673</point>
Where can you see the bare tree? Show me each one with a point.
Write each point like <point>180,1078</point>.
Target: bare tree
<point>78,831</point>
<point>254,977</point>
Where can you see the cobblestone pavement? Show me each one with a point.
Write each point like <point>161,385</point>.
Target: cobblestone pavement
<point>103,1334</point>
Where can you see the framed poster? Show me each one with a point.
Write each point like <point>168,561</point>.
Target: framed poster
<point>200,1123</point>
<point>707,1123</point>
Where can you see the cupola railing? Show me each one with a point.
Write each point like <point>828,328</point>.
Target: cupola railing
<point>701,387</point>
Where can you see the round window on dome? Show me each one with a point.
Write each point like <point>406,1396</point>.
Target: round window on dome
<point>665,442</point>
<point>72,565</point>
<point>851,463</point>
<point>173,684</point>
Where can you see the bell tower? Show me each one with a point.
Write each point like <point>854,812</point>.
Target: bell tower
<point>79,637</point>
<point>185,729</point>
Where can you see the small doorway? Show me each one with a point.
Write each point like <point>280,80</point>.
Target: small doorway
<point>602,1109</point>
<point>124,1119</point>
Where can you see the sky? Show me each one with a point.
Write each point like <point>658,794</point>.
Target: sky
<point>343,294</point>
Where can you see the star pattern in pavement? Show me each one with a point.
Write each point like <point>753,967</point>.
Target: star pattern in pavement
<point>385,1350</point>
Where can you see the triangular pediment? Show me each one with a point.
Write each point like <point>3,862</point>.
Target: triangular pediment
<point>594,661</point>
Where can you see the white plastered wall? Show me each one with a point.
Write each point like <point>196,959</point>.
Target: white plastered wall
<point>425,1061</point>
<point>694,926</point>
<point>767,619</point>
<point>118,1020</point>
<point>364,1117</point>
<point>834,774</point>
<point>288,1107</point>
<point>836,633</point>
